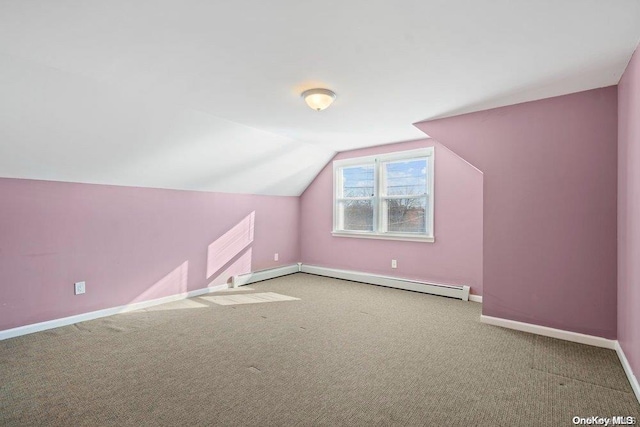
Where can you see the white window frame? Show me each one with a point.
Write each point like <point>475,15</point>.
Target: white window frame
<point>378,212</point>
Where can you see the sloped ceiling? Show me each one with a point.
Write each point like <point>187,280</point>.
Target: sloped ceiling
<point>204,95</point>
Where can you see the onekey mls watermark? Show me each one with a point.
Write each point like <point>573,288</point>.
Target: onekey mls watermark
<point>618,420</point>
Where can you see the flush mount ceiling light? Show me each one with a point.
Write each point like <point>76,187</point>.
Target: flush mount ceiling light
<point>318,99</point>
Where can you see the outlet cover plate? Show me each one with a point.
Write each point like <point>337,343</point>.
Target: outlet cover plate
<point>79,288</point>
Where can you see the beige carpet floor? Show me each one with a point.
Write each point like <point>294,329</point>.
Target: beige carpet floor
<point>343,354</point>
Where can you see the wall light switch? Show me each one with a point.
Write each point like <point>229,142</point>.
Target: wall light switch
<point>80,288</point>
<point>394,263</point>
<point>275,257</point>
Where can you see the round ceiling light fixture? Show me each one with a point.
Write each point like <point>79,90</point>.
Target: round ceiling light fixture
<point>318,99</point>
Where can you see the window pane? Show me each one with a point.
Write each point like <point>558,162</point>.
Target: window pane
<point>357,215</point>
<point>406,178</point>
<point>357,181</point>
<point>406,215</point>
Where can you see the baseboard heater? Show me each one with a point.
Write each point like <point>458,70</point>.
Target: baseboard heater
<point>258,276</point>
<point>453,291</point>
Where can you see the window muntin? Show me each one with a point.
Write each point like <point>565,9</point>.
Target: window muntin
<point>404,196</point>
<point>386,196</point>
<point>355,202</point>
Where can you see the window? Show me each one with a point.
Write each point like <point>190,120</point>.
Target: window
<point>389,196</point>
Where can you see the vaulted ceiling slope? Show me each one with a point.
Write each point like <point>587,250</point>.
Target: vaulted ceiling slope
<point>204,95</point>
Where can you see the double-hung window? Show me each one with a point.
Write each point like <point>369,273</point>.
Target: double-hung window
<point>389,196</point>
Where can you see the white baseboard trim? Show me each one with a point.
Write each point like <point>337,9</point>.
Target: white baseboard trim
<point>258,276</point>
<point>627,370</point>
<point>83,317</point>
<point>460,292</point>
<point>203,291</point>
<point>475,298</point>
<point>550,332</point>
<point>65,321</point>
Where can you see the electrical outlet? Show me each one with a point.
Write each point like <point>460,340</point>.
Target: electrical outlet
<point>394,263</point>
<point>275,257</point>
<point>80,288</point>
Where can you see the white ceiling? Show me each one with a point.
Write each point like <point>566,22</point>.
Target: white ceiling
<point>204,95</point>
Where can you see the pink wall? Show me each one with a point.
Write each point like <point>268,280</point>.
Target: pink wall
<point>128,244</point>
<point>629,212</point>
<point>549,207</point>
<point>456,255</point>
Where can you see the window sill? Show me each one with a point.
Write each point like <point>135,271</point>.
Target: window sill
<point>386,236</point>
